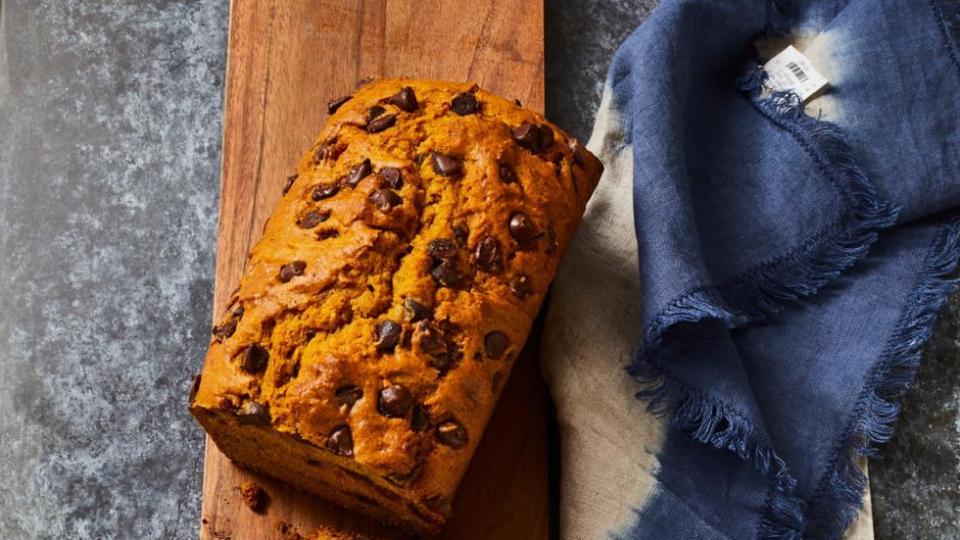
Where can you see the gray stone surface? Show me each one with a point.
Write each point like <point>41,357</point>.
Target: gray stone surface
<point>110,118</point>
<point>109,157</point>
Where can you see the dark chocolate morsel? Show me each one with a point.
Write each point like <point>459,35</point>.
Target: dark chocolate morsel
<point>405,99</point>
<point>414,311</point>
<point>255,359</point>
<point>461,234</point>
<point>359,172</point>
<point>419,420</point>
<point>445,165</point>
<point>381,123</point>
<point>544,139</point>
<point>324,191</point>
<point>374,112</point>
<point>312,218</point>
<point>520,286</point>
<point>388,335</point>
<point>238,312</point>
<point>348,395</point>
<point>289,183</point>
<point>442,248</point>
<point>522,229</point>
<point>489,255</point>
<point>495,344</point>
<point>464,103</point>
<point>526,135</point>
<point>394,401</point>
<point>446,274</point>
<point>385,199</point>
<point>225,330</point>
<point>392,177</point>
<point>252,412</point>
<point>452,434</point>
<point>340,441</point>
<point>330,149</point>
<point>289,271</point>
<point>505,170</point>
<point>194,387</point>
<point>577,150</point>
<point>336,103</point>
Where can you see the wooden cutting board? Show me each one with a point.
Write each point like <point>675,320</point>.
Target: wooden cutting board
<point>286,59</point>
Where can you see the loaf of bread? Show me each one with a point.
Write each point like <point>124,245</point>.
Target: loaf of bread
<point>380,314</point>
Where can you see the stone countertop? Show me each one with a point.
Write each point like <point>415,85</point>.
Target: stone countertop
<point>110,121</point>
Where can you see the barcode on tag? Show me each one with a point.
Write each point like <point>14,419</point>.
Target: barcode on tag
<point>792,71</point>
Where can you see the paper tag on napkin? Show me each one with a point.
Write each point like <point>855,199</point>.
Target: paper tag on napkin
<point>792,71</point>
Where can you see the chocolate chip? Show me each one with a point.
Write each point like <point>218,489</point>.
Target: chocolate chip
<point>535,138</point>
<point>225,330</point>
<point>340,441</point>
<point>348,395</point>
<point>507,176</point>
<point>520,286</point>
<point>489,256</point>
<point>194,387</point>
<point>394,401</point>
<point>551,242</point>
<point>446,274</point>
<point>526,135</point>
<point>461,234</point>
<point>312,218</point>
<point>445,165</point>
<point>405,99</point>
<point>324,191</point>
<point>452,434</point>
<point>330,149</point>
<point>516,101</point>
<point>254,413</point>
<point>495,382</point>
<point>374,112</point>
<point>464,104</point>
<point>388,335</point>
<point>327,233</point>
<point>495,344</point>
<point>381,123</point>
<point>405,479</point>
<point>437,341</point>
<point>545,138</point>
<point>442,248</point>
<point>255,359</point>
<point>289,271</point>
<point>385,199</point>
<point>577,150</point>
<point>419,421</point>
<point>431,342</point>
<point>254,497</point>
<point>238,312</point>
<point>289,183</point>
<point>414,311</point>
<point>392,177</point>
<point>359,172</point>
<point>522,229</point>
<point>336,103</point>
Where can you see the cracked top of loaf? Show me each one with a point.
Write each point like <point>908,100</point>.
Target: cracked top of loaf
<point>397,279</point>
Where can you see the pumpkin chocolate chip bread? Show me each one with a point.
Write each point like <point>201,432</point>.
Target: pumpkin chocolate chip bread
<point>394,285</point>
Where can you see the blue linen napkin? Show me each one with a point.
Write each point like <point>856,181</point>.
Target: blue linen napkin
<point>790,256</point>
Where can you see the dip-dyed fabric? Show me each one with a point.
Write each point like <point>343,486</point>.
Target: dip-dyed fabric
<point>766,270</point>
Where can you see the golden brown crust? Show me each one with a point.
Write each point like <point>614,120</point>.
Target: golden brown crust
<point>380,311</point>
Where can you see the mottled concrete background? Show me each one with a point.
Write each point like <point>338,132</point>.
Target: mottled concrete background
<point>110,119</point>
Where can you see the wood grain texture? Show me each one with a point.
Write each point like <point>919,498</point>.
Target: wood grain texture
<point>286,58</point>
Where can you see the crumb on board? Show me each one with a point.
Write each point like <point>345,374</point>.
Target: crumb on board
<point>254,497</point>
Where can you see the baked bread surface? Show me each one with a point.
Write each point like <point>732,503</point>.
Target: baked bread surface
<point>378,317</point>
